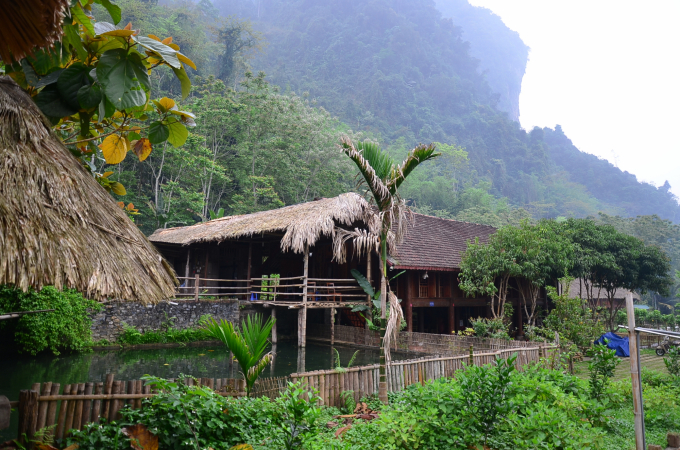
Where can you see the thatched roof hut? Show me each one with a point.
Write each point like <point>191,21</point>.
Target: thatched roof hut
<point>298,225</point>
<point>58,226</point>
<point>29,24</point>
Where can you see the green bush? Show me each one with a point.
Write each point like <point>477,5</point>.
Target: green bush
<point>132,336</point>
<point>67,328</point>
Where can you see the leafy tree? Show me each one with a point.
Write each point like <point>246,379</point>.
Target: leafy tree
<point>382,178</point>
<point>94,86</point>
<point>238,39</point>
<point>532,255</point>
<point>607,260</point>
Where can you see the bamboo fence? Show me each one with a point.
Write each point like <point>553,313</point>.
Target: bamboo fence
<point>57,411</point>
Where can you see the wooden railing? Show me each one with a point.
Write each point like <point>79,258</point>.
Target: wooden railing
<point>290,290</point>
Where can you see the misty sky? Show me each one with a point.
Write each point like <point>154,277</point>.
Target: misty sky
<point>607,71</point>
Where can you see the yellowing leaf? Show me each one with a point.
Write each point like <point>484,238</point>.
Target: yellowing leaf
<point>173,46</point>
<point>142,148</point>
<point>115,148</point>
<point>119,33</point>
<point>167,40</point>
<point>121,204</point>
<point>128,26</point>
<point>107,174</point>
<point>140,437</point>
<point>186,60</point>
<point>154,37</point>
<point>118,188</point>
<point>167,103</point>
<point>242,447</point>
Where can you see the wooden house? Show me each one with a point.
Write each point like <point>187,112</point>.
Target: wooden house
<point>236,257</point>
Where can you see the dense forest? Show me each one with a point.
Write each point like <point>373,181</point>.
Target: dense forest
<point>279,81</point>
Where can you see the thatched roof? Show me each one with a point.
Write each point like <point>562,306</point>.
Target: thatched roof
<point>29,24</point>
<point>58,226</point>
<point>300,224</point>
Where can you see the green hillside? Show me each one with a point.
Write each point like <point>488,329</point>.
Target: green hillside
<point>396,71</point>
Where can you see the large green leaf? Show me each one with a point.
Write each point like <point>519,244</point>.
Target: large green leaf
<point>70,81</point>
<point>89,96</point>
<point>166,53</point>
<point>178,133</point>
<point>363,282</point>
<point>114,10</point>
<point>158,133</point>
<point>51,103</point>
<point>72,37</point>
<point>123,77</point>
<point>184,80</point>
<point>82,18</point>
<point>106,108</point>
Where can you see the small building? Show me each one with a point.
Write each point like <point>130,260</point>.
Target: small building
<point>289,260</point>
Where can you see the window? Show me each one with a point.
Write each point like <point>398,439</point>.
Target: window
<point>424,287</point>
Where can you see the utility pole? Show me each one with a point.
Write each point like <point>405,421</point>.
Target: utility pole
<point>634,349</point>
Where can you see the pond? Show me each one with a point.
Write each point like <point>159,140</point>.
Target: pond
<point>21,371</point>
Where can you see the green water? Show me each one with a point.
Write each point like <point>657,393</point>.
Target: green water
<point>19,372</point>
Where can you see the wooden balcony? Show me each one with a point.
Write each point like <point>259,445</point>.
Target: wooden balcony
<point>293,292</point>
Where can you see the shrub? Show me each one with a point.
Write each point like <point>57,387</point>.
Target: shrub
<point>601,369</point>
<point>67,328</point>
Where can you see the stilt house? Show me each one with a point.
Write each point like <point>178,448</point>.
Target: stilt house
<point>289,259</point>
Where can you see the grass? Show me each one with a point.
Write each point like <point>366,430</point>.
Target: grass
<point>648,359</point>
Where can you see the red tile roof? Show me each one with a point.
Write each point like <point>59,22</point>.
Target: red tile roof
<point>437,244</point>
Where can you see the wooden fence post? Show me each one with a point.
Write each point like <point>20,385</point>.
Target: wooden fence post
<point>196,283</point>
<point>28,416</point>
<point>472,355</point>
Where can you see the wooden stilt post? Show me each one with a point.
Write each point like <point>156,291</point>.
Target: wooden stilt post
<point>250,263</point>
<point>333,326</point>
<point>302,313</point>
<point>638,410</point>
<point>273,363</point>
<point>28,416</point>
<point>301,360</point>
<point>369,300</point>
<point>197,281</point>
<point>186,270</point>
<point>275,338</point>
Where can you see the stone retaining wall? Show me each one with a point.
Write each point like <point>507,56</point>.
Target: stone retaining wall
<point>108,323</point>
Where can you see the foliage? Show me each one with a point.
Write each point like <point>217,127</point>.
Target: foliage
<point>338,365</point>
<point>571,318</point>
<point>132,336</point>
<point>300,413</point>
<point>531,254</point>
<point>66,328</point>
<point>601,368</point>
<point>248,344</point>
<point>95,87</point>
<point>672,361</point>
<point>494,328</point>
<point>607,260</point>
<point>488,396</point>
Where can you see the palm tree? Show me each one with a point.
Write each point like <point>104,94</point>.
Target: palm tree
<point>382,177</point>
<point>247,344</point>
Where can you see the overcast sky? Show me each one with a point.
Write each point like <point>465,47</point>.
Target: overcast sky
<point>609,73</point>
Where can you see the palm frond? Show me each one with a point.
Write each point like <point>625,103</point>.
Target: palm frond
<point>418,155</point>
<point>256,335</point>
<point>255,371</point>
<point>363,242</point>
<point>394,319</point>
<point>373,181</point>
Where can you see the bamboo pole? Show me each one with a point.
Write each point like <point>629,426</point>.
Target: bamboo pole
<point>302,312</point>
<point>638,408</point>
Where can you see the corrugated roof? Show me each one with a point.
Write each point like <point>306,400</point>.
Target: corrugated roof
<point>433,243</point>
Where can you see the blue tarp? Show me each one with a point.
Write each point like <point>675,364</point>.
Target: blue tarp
<point>615,343</point>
